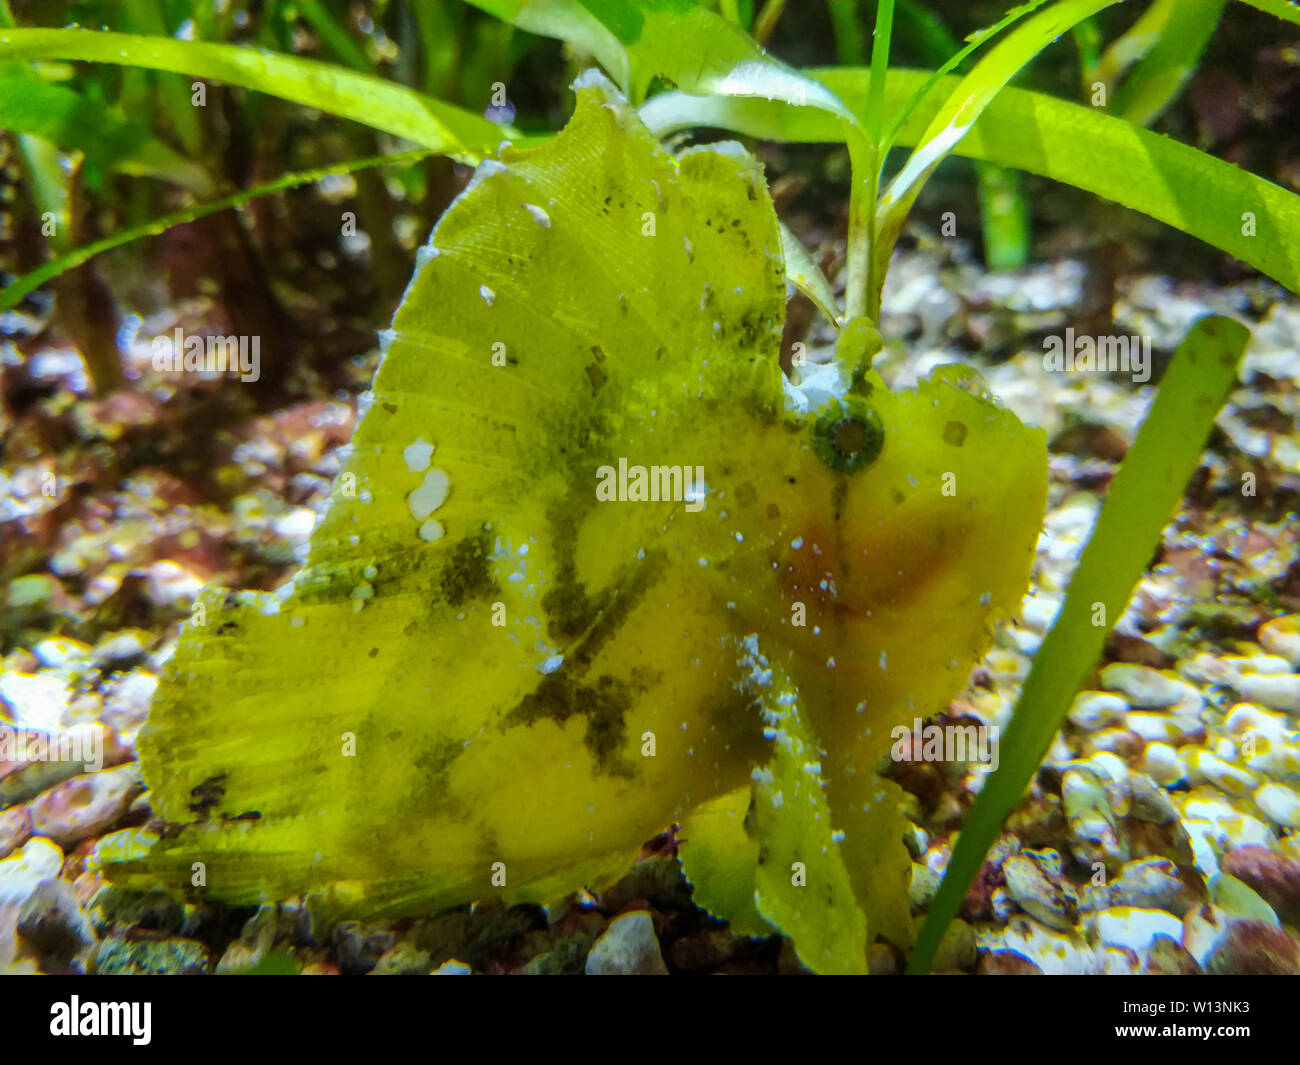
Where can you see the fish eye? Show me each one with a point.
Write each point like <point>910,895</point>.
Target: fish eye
<point>848,435</point>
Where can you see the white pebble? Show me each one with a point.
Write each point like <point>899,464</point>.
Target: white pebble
<point>1279,804</point>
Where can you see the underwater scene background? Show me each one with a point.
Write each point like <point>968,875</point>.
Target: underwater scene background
<point>650,487</point>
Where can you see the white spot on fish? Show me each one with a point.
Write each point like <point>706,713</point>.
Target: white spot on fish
<point>431,494</point>
<point>431,530</point>
<point>539,216</point>
<point>418,455</point>
<point>489,297</point>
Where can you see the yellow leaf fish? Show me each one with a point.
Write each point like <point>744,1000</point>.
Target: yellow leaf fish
<point>581,525</point>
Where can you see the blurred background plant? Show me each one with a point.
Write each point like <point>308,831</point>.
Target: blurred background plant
<point>102,151</point>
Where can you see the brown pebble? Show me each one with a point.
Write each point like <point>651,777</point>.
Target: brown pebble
<point>1274,877</point>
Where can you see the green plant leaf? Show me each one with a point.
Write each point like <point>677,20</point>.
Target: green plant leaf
<point>335,38</point>
<point>1183,32</point>
<point>565,20</point>
<point>1117,160</point>
<point>1142,497</point>
<point>688,45</point>
<point>959,113</point>
<point>362,98</point>
<point>954,60</point>
<point>1289,10</point>
<point>71,121</point>
<point>720,861</point>
<point>801,884</point>
<point>807,276</point>
<point>29,282</point>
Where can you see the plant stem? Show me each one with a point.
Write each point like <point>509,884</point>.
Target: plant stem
<point>862,218</point>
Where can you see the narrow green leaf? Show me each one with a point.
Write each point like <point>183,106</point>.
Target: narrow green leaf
<point>1005,215</point>
<point>1283,9</point>
<point>363,98</point>
<point>565,20</point>
<point>69,120</point>
<point>333,36</point>
<point>801,884</point>
<point>959,113</point>
<point>1144,493</point>
<point>1236,211</point>
<point>699,52</point>
<point>12,293</point>
<point>1161,74</point>
<point>976,40</point>
<point>849,48</point>
<point>806,275</point>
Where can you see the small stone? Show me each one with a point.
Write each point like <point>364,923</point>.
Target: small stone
<point>957,950</point>
<point>1006,963</point>
<point>1281,636</point>
<point>1276,692</point>
<point>1274,758</point>
<point>1164,728</point>
<point>1152,883</point>
<point>1204,927</point>
<point>1149,802</point>
<point>702,951</point>
<point>1092,822</point>
<point>53,928</point>
<point>1153,688</point>
<point>658,880</point>
<point>882,961</point>
<point>1038,611</point>
<point>627,947</point>
<point>163,957</point>
<point>1274,877</point>
<point>1163,764</point>
<point>1238,901</point>
<point>1244,718</point>
<point>402,959</point>
<point>569,956</point>
<point>15,829</point>
<point>1055,953</point>
<point>113,907</point>
<point>358,947</point>
<point>1094,710</point>
<point>452,968</point>
<point>120,649</point>
<point>38,860</point>
<point>1253,948</point>
<point>86,805</point>
<point>1133,928</point>
<point>1036,891</point>
<point>1279,804</point>
<point>1223,775</point>
<point>1167,957</point>
<point>921,889</point>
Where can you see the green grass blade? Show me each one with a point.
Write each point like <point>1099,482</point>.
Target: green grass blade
<point>700,52</point>
<point>901,114</point>
<point>959,113</point>
<point>1144,493</point>
<point>1161,74</point>
<point>849,49</point>
<point>69,120</point>
<point>565,20</point>
<point>1283,9</point>
<point>334,37</point>
<point>806,275</point>
<point>362,98</point>
<point>12,293</point>
<point>1005,215</point>
<point>1238,212</point>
